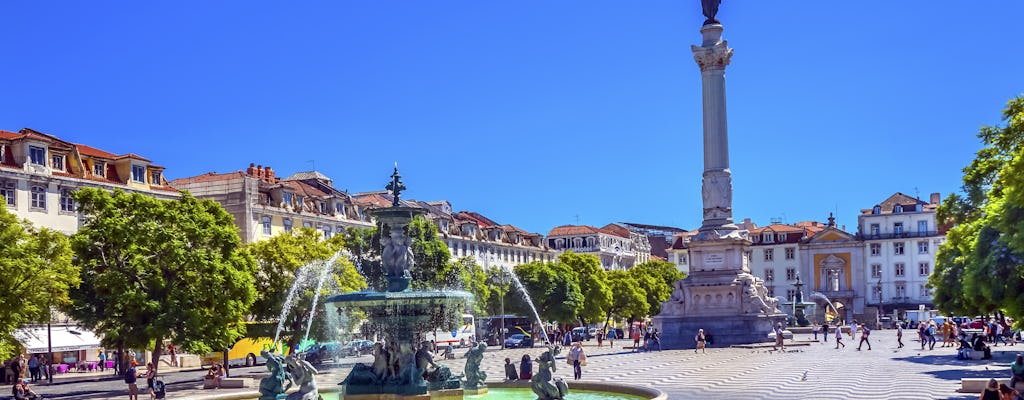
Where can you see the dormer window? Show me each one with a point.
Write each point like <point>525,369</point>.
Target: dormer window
<point>37,155</point>
<point>897,209</point>
<point>299,202</point>
<point>154,178</point>
<point>138,173</point>
<point>99,168</point>
<point>339,208</point>
<point>323,207</point>
<point>768,237</point>
<point>876,210</point>
<point>287,199</point>
<point>57,162</point>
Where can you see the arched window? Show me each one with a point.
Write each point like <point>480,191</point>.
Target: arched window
<point>876,210</point>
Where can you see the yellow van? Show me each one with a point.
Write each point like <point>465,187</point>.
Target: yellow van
<point>246,352</point>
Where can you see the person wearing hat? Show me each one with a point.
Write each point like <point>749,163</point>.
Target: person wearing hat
<point>1017,369</point>
<point>130,376</point>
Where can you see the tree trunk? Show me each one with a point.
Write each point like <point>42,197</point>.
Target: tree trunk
<point>158,350</point>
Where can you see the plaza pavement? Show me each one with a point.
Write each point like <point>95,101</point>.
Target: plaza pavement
<point>815,371</point>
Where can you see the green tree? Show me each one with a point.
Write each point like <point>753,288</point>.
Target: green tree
<point>629,299</point>
<point>597,297</point>
<point>978,268</point>
<point>37,273</point>
<point>160,269</point>
<point>554,288</point>
<point>280,261</point>
<point>475,281</point>
<point>656,278</point>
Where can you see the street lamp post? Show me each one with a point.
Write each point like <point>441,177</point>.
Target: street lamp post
<point>49,343</point>
<point>881,310</point>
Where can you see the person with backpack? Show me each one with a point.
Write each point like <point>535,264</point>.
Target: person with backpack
<point>150,380</point>
<point>864,334</point>
<point>130,376</point>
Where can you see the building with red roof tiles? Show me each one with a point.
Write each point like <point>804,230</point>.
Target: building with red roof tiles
<point>39,172</point>
<point>617,247</point>
<point>901,238</point>
<point>264,204</point>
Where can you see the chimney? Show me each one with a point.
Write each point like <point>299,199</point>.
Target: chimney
<point>269,173</point>
<point>935,198</point>
<point>259,172</point>
<point>251,171</point>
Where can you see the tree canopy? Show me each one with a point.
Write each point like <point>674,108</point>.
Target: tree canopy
<point>160,269</point>
<point>597,296</point>
<point>280,261</point>
<point>554,289</point>
<point>37,273</point>
<point>656,277</point>
<point>978,269</point>
<point>432,268</point>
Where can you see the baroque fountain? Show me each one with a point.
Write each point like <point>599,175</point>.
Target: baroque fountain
<point>402,363</point>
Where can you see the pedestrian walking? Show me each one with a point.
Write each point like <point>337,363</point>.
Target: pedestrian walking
<point>779,338</point>
<point>864,334</point>
<point>611,338</point>
<point>174,354</point>
<point>130,377</point>
<point>577,358</point>
<point>600,338</point>
<point>103,360</point>
<point>922,333</point>
<point>151,380</point>
<point>18,367</point>
<point>647,340</point>
<point>824,332</point>
<point>656,339</point>
<point>701,341</point>
<point>814,328</point>
<point>839,336</point>
<point>853,329</point>
<point>931,335</point>
<point>636,339</point>
<point>899,336</point>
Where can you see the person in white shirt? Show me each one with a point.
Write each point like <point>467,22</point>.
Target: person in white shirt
<point>839,336</point>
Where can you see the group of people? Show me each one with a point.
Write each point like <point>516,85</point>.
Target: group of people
<point>998,391</point>
<point>577,358</point>
<point>153,387</point>
<point>33,367</point>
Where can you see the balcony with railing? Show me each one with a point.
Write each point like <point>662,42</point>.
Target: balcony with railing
<point>900,235</point>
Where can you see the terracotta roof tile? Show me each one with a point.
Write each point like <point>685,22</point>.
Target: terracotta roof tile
<point>132,155</point>
<point>897,198</point>
<point>9,135</point>
<point>94,152</point>
<point>572,230</point>
<point>207,177</point>
<point>617,230</point>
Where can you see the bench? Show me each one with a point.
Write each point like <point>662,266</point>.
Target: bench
<point>976,385</point>
<point>227,383</point>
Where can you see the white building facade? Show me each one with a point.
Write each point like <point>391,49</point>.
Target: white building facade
<point>901,239</point>
<point>40,172</point>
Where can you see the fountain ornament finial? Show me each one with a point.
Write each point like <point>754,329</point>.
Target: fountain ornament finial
<point>396,187</point>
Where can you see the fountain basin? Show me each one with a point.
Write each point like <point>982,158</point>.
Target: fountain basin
<point>415,311</point>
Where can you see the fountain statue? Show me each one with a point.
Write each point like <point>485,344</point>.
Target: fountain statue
<point>474,376</point>
<point>304,375</point>
<point>544,384</point>
<point>273,387</point>
<point>399,316</point>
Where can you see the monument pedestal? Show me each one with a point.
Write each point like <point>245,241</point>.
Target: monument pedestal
<point>719,296</point>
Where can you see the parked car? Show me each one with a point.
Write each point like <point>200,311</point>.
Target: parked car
<point>357,347</point>
<point>518,340</point>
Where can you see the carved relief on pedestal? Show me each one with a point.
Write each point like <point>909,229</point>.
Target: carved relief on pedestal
<point>716,191</point>
<point>717,56</point>
<point>756,300</point>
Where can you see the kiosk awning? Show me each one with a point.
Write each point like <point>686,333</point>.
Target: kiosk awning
<point>65,338</point>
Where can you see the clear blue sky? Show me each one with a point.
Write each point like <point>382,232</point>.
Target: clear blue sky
<point>529,112</point>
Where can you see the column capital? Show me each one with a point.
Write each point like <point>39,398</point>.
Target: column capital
<point>713,57</point>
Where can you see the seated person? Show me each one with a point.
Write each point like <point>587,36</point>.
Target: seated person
<point>1017,371</point>
<point>979,345</point>
<point>449,352</point>
<point>21,391</point>
<point>216,373</point>
<point>510,370</point>
<point>964,344</point>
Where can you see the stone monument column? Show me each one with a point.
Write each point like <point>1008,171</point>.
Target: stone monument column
<point>720,295</point>
<point>712,56</point>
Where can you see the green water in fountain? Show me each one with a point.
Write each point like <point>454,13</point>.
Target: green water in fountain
<point>527,394</point>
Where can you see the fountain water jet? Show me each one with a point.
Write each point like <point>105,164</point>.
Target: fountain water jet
<point>529,301</point>
<point>300,279</point>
